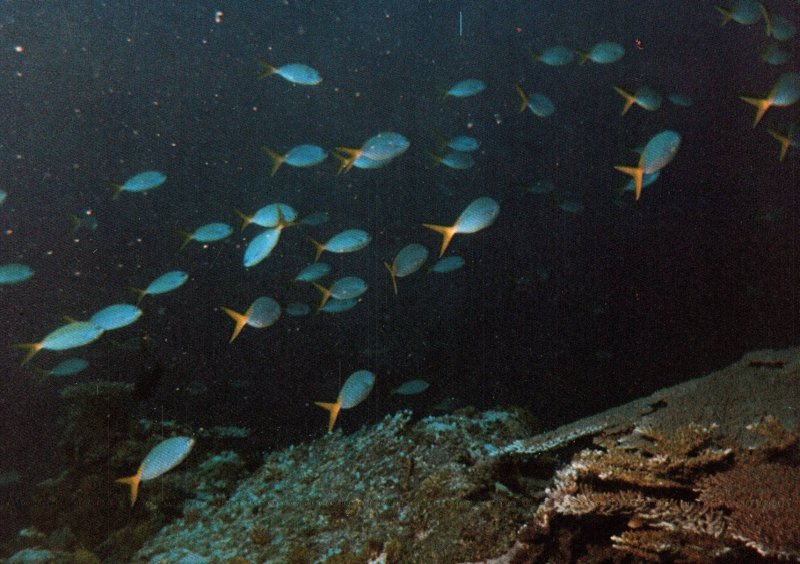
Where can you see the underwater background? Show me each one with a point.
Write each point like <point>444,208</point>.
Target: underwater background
<point>562,313</point>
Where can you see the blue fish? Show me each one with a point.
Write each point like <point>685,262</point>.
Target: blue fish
<point>296,73</point>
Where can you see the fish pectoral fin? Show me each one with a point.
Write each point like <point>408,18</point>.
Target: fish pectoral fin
<point>333,408</point>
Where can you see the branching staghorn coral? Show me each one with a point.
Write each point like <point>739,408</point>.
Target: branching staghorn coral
<point>683,497</point>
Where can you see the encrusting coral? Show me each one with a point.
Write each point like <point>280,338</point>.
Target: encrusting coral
<point>684,497</point>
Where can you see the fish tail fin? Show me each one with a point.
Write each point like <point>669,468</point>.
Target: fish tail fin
<point>440,140</point>
<point>31,348</point>
<point>629,99</point>
<point>583,56</point>
<point>637,172</point>
<point>133,482</point>
<point>318,248</point>
<point>246,219</point>
<point>239,318</point>
<point>333,408</point>
<point>767,19</point>
<point>139,293</point>
<point>447,234</point>
<point>266,68</point>
<point>523,97</point>
<point>346,159</point>
<point>392,274</point>
<point>761,104</point>
<point>442,94</point>
<point>725,14</point>
<point>436,160</point>
<point>117,190</point>
<point>784,140</point>
<point>185,238</point>
<point>535,57</point>
<point>277,159</point>
<point>326,295</point>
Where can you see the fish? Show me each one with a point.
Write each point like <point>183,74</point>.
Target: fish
<point>269,216</point>
<point>479,214</point>
<point>539,104</point>
<point>163,457</point>
<point>347,241</point>
<point>455,160</point>
<point>772,54</point>
<point>14,273</point>
<point>463,144</point>
<point>542,186</point>
<point>782,29</point>
<point>602,53</point>
<point>465,88</point>
<point>407,261</point>
<point>659,151</point>
<point>165,283</point>
<point>296,73</point>
<point>72,335</point>
<point>555,56</point>
<point>3,196</point>
<point>355,390</point>
<point>116,316</point>
<point>448,264</point>
<point>313,272</point>
<point>571,206</point>
<point>208,233</point>
<point>411,387</point>
<point>301,156</point>
<point>679,99</point>
<point>644,97</point>
<point>261,246</point>
<point>141,182</point>
<point>297,309</point>
<point>68,367</point>
<point>744,12</point>
<point>378,150</point>
<point>263,312</point>
<point>338,306</point>
<point>347,288</point>
<point>785,92</point>
<point>316,218</point>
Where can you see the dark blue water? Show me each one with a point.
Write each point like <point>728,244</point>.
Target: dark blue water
<point>637,296</point>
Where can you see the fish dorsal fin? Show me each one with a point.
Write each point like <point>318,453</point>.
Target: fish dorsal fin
<point>239,318</point>
<point>447,234</point>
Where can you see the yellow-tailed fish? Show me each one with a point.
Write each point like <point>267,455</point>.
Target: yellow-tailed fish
<point>355,390</point>
<point>407,261</point>
<point>297,73</point>
<point>347,241</point>
<point>263,312</point>
<point>72,335</point>
<point>785,92</point>
<point>658,152</point>
<point>480,214</point>
<point>165,456</point>
<point>301,156</point>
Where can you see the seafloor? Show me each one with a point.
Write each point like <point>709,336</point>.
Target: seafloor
<point>706,471</point>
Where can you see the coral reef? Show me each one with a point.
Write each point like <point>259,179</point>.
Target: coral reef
<point>405,492</point>
<point>682,497</point>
